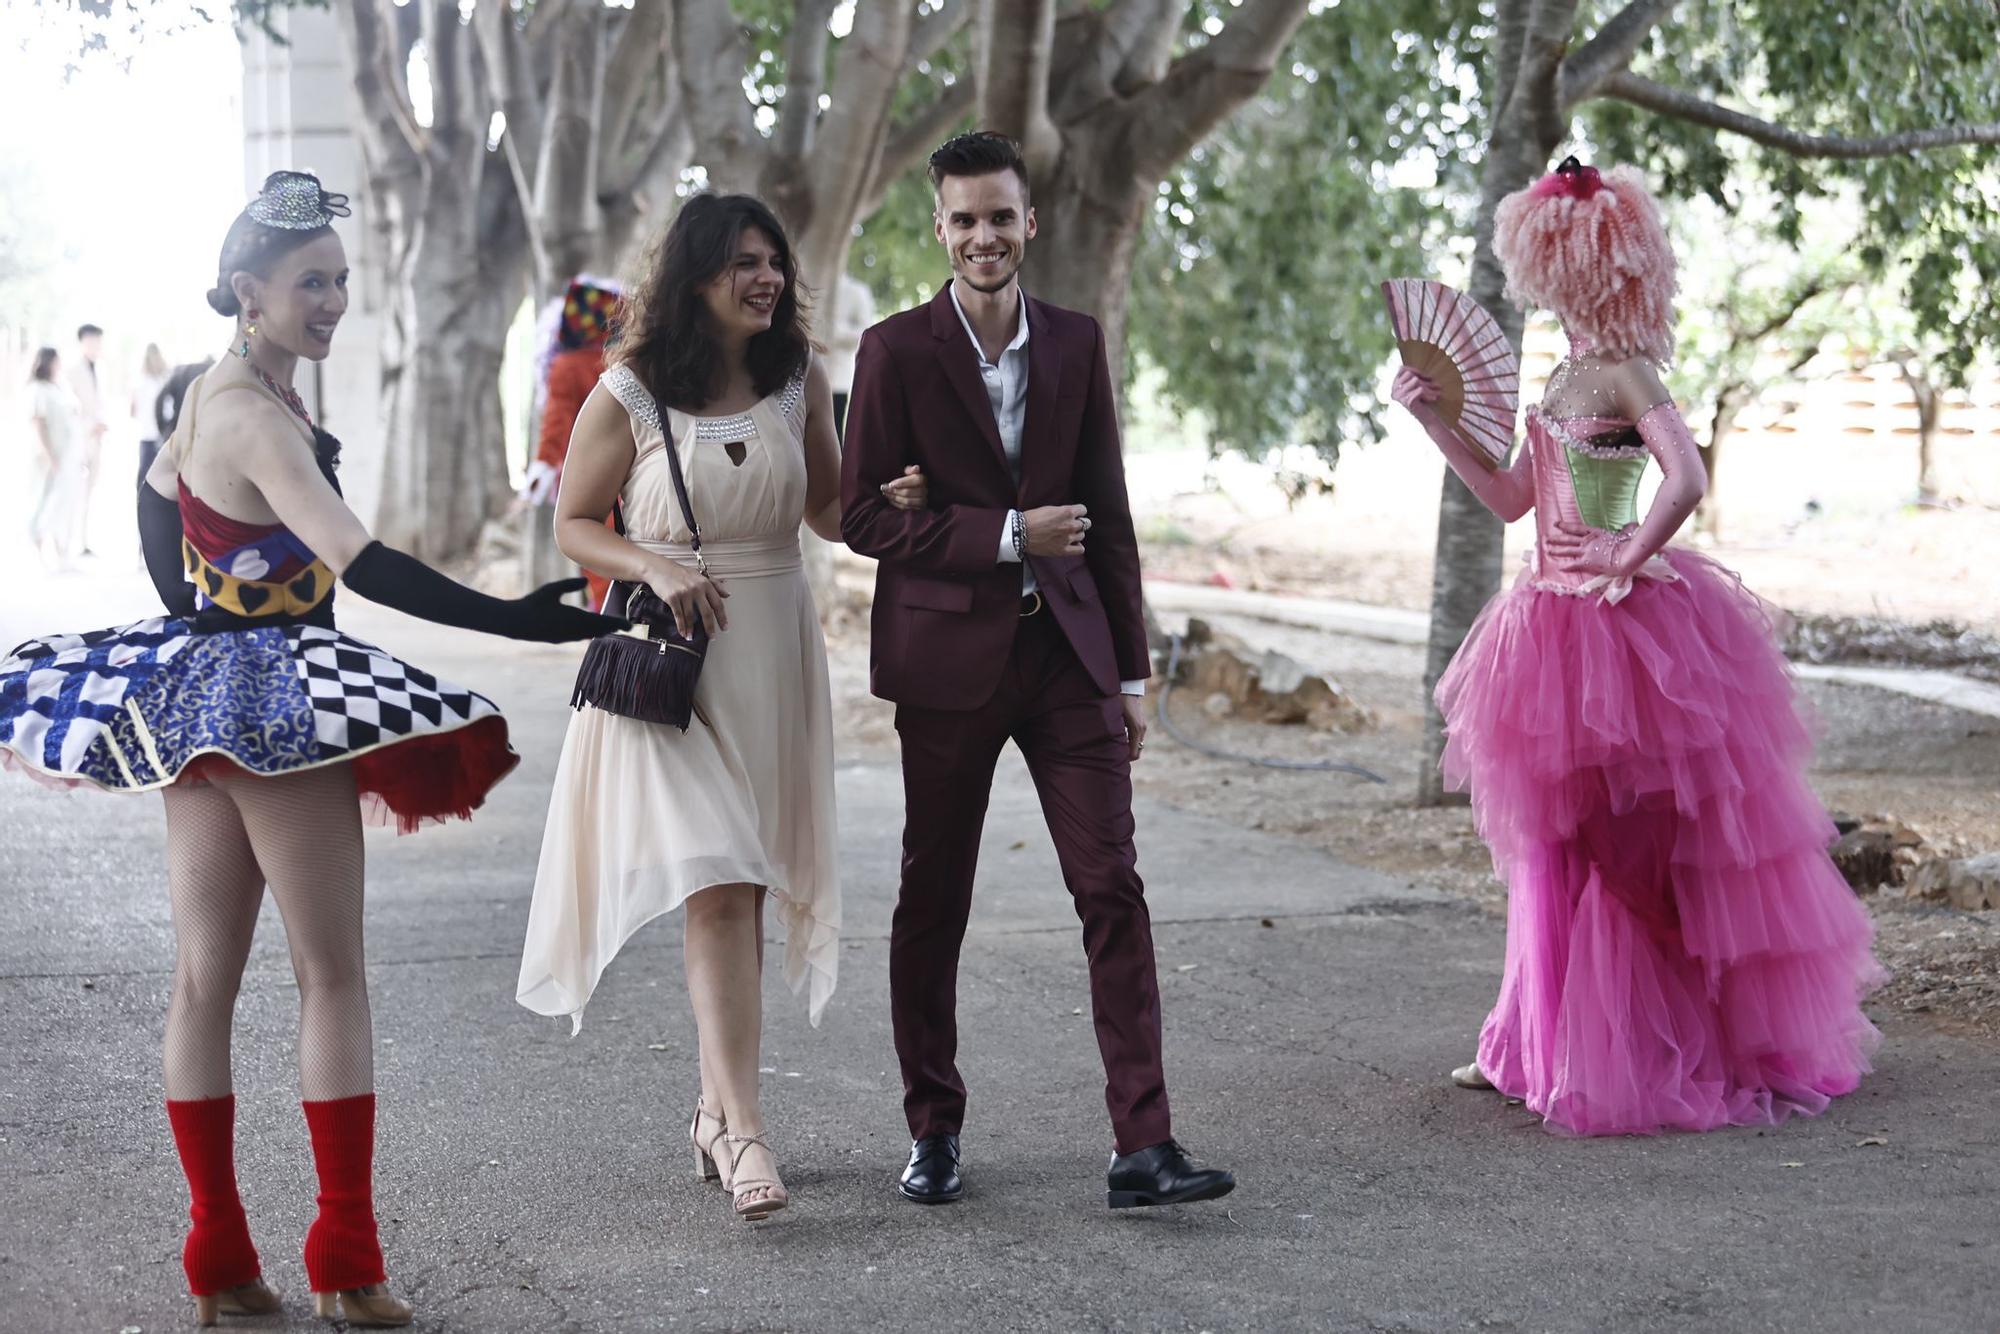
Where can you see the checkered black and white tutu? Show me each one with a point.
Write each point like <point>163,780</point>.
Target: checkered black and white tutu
<point>145,705</point>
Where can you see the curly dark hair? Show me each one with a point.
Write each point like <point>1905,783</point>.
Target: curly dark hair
<point>664,332</point>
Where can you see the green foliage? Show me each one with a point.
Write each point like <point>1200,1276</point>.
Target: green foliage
<point>1928,222</point>
<point>1255,288</point>
<point>895,252</point>
<point>1754,310</point>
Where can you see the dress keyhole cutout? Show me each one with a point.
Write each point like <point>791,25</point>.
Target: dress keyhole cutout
<point>737,451</point>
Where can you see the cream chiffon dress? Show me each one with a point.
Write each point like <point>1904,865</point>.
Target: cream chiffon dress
<point>642,814</point>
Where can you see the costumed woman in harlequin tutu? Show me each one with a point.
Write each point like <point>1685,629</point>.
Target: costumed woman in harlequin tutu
<point>1681,952</point>
<point>270,734</point>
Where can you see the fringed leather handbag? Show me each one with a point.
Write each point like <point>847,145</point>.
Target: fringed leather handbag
<point>650,671</point>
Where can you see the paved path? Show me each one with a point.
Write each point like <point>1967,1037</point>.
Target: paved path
<point>1394,625</point>
<point>531,1182</point>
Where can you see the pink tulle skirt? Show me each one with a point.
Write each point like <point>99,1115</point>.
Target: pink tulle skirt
<point>1681,952</point>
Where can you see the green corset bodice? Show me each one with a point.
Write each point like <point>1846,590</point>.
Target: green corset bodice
<point>1606,486</point>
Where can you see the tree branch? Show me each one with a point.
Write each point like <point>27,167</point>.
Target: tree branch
<point>1544,39</point>
<point>378,81</point>
<point>1210,82</point>
<point>1609,51</point>
<point>805,76</point>
<point>912,141</point>
<point>1016,44</point>
<point>1510,35</point>
<point>934,31</point>
<point>711,55</point>
<point>629,82</point>
<point>1140,35</point>
<point>513,87</point>
<point>1686,106</point>
<point>450,68</point>
<point>856,123</point>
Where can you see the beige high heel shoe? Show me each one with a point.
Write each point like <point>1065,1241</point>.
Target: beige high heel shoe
<point>253,1298</point>
<point>770,1193</point>
<point>704,1150</point>
<point>1471,1077</point>
<point>372,1307</point>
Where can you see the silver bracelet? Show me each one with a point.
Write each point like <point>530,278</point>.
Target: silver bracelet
<point>1020,535</point>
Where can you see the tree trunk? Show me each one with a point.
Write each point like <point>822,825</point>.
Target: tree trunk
<point>446,471</point>
<point>1466,569</point>
<point>1730,401</point>
<point>1925,393</point>
<point>1089,226</point>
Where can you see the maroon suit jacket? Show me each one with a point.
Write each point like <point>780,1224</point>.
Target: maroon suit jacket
<point>946,607</point>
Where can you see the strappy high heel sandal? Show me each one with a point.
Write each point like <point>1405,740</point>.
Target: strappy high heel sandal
<point>704,1149</point>
<point>253,1298</point>
<point>774,1195</point>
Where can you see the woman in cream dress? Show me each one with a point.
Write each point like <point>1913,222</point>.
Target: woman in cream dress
<point>644,817</point>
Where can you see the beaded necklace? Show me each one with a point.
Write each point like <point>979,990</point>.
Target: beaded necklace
<point>286,394</point>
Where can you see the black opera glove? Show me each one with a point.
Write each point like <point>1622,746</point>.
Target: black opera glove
<point>160,540</point>
<point>396,579</point>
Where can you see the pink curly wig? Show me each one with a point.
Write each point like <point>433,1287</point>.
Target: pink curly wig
<point>1591,248</point>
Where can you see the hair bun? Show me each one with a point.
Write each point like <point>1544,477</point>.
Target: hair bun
<point>222,298</point>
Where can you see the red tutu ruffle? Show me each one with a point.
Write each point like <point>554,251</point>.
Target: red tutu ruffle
<point>1681,952</point>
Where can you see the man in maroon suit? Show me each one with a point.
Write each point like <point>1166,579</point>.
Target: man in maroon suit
<point>1010,609</point>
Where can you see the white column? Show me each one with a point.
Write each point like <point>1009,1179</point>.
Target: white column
<point>298,106</point>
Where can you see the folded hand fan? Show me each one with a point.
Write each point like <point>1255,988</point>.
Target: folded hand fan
<point>1445,336</point>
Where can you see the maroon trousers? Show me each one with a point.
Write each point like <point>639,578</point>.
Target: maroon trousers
<point>1073,738</point>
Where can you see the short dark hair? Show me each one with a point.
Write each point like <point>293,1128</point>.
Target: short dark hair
<point>980,153</point>
<point>84,331</point>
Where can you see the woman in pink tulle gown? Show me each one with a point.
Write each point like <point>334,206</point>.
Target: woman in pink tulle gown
<point>1681,952</point>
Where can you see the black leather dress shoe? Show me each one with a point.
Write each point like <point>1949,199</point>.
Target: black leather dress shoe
<point>932,1176</point>
<point>1162,1174</point>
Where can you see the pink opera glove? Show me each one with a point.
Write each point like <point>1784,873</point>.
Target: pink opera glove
<point>1509,492</point>
<point>1683,482</point>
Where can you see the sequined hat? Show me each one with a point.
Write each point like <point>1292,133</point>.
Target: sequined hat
<point>293,201</point>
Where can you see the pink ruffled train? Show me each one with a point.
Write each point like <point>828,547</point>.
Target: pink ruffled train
<point>1681,952</point>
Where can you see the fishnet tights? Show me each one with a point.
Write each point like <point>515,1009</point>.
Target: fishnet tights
<point>226,839</point>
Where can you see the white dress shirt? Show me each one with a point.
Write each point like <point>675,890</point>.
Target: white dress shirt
<point>1007,391</point>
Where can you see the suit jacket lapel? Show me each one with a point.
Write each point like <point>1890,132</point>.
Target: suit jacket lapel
<point>1044,379</point>
<point>960,363</point>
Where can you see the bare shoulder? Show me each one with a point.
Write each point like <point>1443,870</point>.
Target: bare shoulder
<point>1637,384</point>
<point>603,407</point>
<point>818,387</point>
<point>243,424</point>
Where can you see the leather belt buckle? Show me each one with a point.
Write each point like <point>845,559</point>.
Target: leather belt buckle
<point>1031,603</point>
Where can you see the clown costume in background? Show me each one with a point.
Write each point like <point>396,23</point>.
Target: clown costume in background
<point>573,332</point>
<point>1681,951</point>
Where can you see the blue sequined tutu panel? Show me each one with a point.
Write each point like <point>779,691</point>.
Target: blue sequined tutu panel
<point>131,709</point>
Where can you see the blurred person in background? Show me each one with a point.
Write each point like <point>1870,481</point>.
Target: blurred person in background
<point>146,387</point>
<point>57,526</point>
<point>84,383</point>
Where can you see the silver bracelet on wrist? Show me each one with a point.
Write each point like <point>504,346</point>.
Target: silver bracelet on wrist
<point>1020,535</point>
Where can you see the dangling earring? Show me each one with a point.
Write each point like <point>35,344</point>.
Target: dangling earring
<point>249,328</point>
